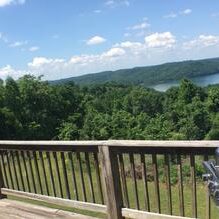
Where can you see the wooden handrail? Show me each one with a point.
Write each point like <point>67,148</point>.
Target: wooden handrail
<point>51,166</point>
<point>117,143</point>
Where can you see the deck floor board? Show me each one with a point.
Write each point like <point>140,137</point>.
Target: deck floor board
<point>11,209</point>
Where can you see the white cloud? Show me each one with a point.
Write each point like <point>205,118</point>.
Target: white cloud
<point>170,15</point>
<point>7,71</point>
<point>4,3</point>
<point>109,2</point>
<point>18,44</point>
<point>96,40</point>
<point>186,11</point>
<point>176,14</point>
<point>83,59</point>
<point>139,29</point>
<point>97,11</point>
<point>34,48</point>
<point>40,61</point>
<point>129,45</point>
<point>116,3</point>
<point>143,25</point>
<point>165,39</point>
<point>202,41</point>
<point>121,55</point>
<point>114,52</point>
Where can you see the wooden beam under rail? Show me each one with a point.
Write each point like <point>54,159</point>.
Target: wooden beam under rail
<point>56,201</point>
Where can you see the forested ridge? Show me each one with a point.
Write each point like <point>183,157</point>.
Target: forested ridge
<point>32,109</point>
<point>150,75</point>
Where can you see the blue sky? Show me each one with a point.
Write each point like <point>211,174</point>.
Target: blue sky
<point>64,38</point>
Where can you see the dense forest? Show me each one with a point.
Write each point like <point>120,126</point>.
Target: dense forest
<point>32,109</point>
<point>150,75</point>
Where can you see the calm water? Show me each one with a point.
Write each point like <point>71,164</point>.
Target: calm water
<point>201,81</point>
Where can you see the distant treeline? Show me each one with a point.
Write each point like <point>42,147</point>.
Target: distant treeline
<point>150,75</point>
<point>31,109</point>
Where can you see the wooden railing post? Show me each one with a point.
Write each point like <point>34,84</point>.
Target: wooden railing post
<point>1,181</point>
<point>110,171</point>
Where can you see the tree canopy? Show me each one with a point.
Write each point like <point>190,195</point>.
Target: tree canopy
<point>32,109</point>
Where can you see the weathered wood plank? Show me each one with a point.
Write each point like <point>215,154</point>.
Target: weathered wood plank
<point>110,171</point>
<point>136,214</point>
<point>37,171</point>
<point>57,201</point>
<point>99,184</point>
<point>20,170</point>
<point>20,210</point>
<point>51,173</point>
<point>208,199</point>
<point>1,181</point>
<point>123,181</point>
<point>65,176</point>
<point>72,167</point>
<point>156,182</point>
<point>168,184</point>
<point>58,173</point>
<point>193,185</point>
<point>84,195</point>
<point>14,169</point>
<point>9,170</point>
<point>145,183</point>
<point>42,164</point>
<point>180,185</point>
<point>113,143</point>
<point>90,180</point>
<point>4,169</point>
<point>25,169</point>
<point>134,181</point>
<point>31,171</point>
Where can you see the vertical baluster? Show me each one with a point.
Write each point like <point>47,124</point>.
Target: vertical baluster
<point>73,175</point>
<point>193,185</point>
<point>180,185</point>
<point>156,182</point>
<point>44,172</point>
<point>20,170</point>
<point>87,160</point>
<point>26,172</point>
<point>9,170</point>
<point>96,164</point>
<point>6,183</point>
<point>58,173</point>
<point>135,189</point>
<point>208,200</point>
<point>14,169</point>
<point>144,178</point>
<point>124,183</point>
<point>82,177</point>
<point>31,171</point>
<point>168,184</point>
<point>51,173</point>
<point>65,175</point>
<point>1,181</point>
<point>37,171</point>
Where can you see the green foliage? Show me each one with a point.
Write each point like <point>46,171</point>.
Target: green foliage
<point>36,110</point>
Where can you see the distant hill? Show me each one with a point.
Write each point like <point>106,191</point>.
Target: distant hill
<point>150,75</point>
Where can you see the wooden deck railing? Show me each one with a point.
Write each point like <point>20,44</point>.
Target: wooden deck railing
<point>134,179</point>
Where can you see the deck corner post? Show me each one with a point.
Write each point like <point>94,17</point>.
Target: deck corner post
<point>110,171</point>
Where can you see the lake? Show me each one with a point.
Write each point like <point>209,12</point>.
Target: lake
<point>200,80</point>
